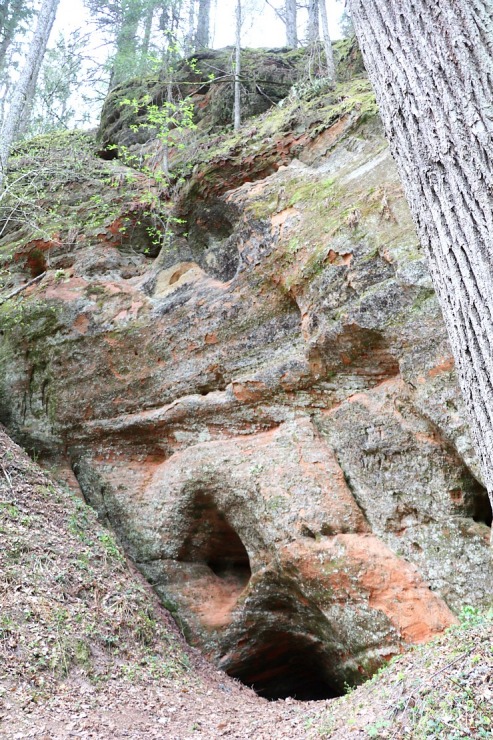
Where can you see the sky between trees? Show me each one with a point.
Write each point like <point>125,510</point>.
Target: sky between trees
<point>268,32</point>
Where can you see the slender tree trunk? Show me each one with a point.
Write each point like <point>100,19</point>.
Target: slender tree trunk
<point>291,23</point>
<point>29,100</point>
<point>237,100</point>
<point>34,57</point>
<point>31,90</point>
<point>431,64</point>
<point>189,39</point>
<point>313,22</point>
<point>4,47</point>
<point>165,160</point>
<point>126,59</point>
<point>202,36</point>
<point>7,84</point>
<point>9,19</point>
<point>146,41</point>
<point>329,54</point>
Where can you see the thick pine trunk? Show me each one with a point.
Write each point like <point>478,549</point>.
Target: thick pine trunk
<point>27,78</point>
<point>431,64</point>
<point>291,24</point>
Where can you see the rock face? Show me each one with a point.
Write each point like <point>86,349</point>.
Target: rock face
<point>267,415</point>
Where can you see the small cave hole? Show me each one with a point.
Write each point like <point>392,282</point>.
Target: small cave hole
<point>179,273</point>
<point>213,541</point>
<point>210,226</point>
<point>36,262</point>
<point>108,153</point>
<point>286,664</point>
<point>471,499</point>
<point>481,505</point>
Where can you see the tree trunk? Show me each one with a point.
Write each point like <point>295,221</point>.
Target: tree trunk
<point>329,54</point>
<point>237,100</point>
<point>190,36</point>
<point>146,40</point>
<point>27,77</point>
<point>31,89</point>
<point>10,14</point>
<point>432,68</point>
<point>202,36</point>
<point>291,24</point>
<point>165,160</point>
<point>125,60</point>
<point>313,23</point>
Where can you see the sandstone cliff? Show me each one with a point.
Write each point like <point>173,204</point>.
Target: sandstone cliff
<point>265,410</point>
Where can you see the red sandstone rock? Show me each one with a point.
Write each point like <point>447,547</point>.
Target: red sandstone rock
<point>268,415</point>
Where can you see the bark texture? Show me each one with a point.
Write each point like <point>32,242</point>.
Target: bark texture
<point>26,81</point>
<point>432,68</point>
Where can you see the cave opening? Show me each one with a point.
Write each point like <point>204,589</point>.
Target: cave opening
<point>481,507</point>
<point>109,153</point>
<point>287,664</point>
<point>210,228</point>
<point>36,262</point>
<point>471,500</point>
<point>212,540</point>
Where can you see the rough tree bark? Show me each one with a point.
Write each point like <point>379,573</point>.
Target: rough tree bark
<point>31,67</point>
<point>202,36</point>
<point>431,64</point>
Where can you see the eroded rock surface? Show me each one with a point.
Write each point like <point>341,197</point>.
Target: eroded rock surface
<point>268,416</point>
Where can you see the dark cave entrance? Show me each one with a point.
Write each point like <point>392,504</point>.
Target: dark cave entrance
<point>481,506</point>
<point>36,262</point>
<point>471,500</point>
<point>213,541</point>
<point>277,662</point>
<point>287,664</point>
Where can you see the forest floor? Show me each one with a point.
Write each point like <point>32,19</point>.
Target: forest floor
<point>86,651</point>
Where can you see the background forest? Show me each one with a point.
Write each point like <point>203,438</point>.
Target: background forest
<point>87,48</point>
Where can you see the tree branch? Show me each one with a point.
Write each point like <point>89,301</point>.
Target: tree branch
<point>23,287</point>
